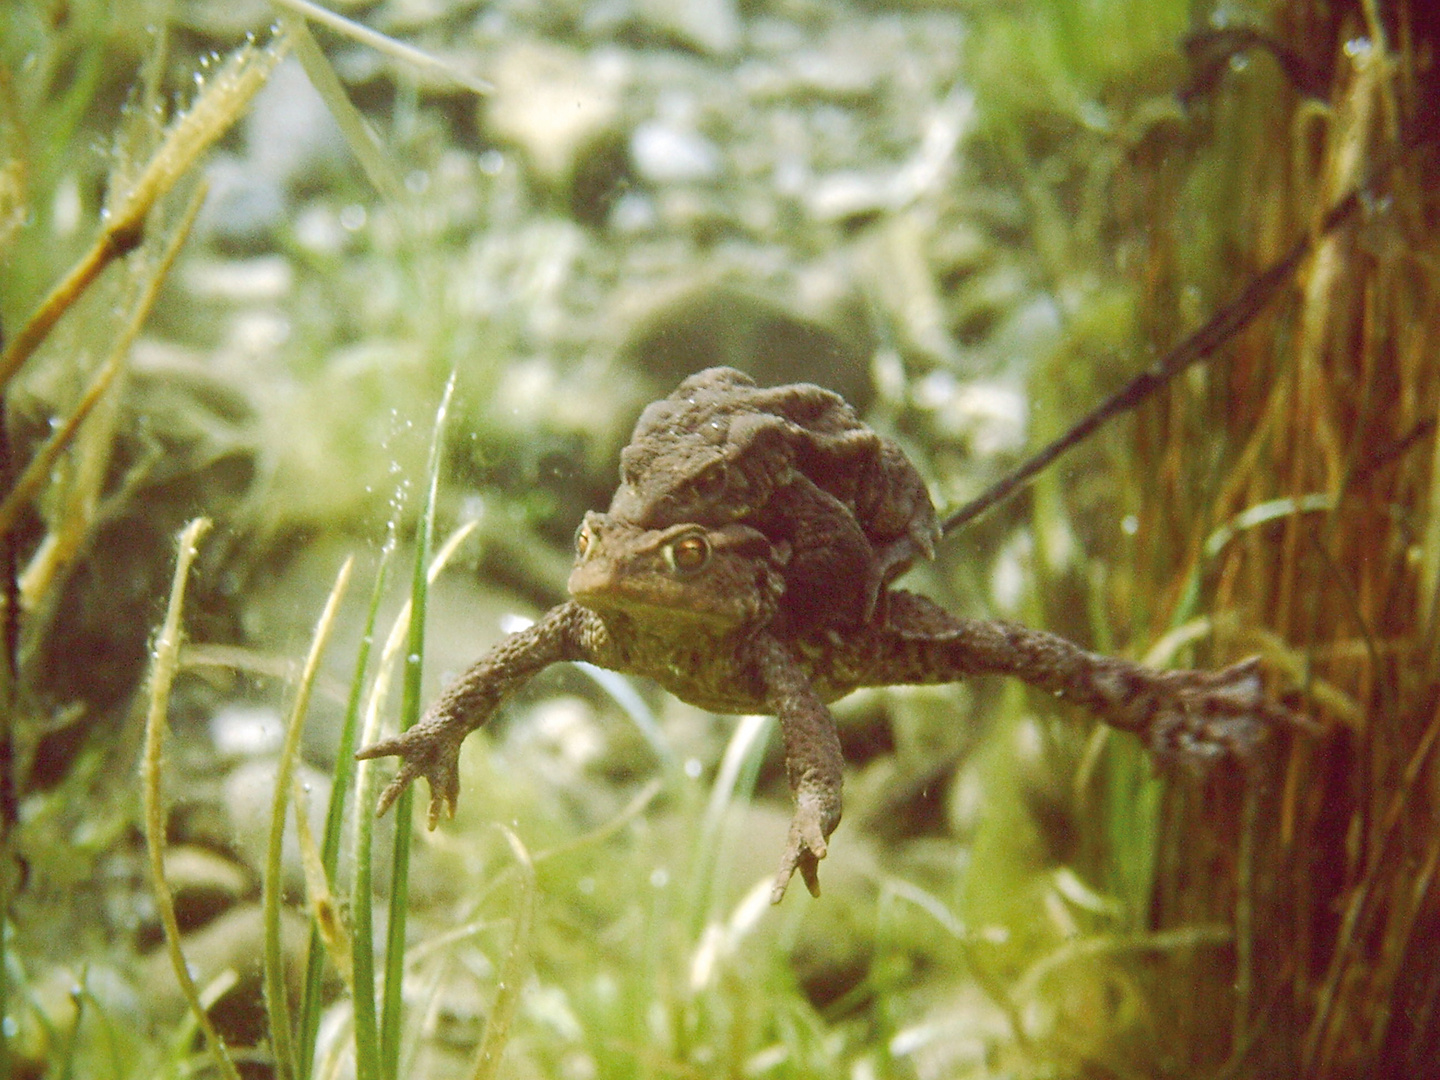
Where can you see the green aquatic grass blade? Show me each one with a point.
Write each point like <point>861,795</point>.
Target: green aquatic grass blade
<point>390,1014</point>
<point>362,949</point>
<point>164,664</point>
<point>383,43</point>
<point>341,782</point>
<point>362,142</point>
<point>622,691</point>
<point>512,968</point>
<point>367,1028</point>
<point>134,190</point>
<point>276,1003</point>
<point>734,784</point>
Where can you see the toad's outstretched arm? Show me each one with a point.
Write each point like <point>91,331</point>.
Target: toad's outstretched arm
<point>431,748</point>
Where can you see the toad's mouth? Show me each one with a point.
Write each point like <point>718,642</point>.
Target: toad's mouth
<point>661,606</point>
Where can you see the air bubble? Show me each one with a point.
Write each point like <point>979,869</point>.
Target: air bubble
<point>352,217</point>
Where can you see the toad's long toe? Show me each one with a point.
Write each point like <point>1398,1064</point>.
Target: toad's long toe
<point>427,752</point>
<point>815,819</point>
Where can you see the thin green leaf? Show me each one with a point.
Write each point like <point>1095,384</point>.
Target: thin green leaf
<point>165,661</point>
<point>341,781</point>
<point>276,1005</point>
<point>512,968</point>
<point>390,1013</point>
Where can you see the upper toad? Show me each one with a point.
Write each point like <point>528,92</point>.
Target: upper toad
<point>797,463</point>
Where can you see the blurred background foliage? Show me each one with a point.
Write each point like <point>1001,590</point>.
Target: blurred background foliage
<point>974,219</point>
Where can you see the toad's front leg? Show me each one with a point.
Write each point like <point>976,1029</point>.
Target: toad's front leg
<point>813,763</point>
<point>431,748</point>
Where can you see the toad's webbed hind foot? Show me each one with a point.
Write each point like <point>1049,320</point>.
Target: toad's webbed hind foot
<point>1199,716</point>
<point>1194,716</point>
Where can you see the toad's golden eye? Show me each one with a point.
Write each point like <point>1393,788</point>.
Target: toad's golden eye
<point>687,554</point>
<point>582,540</point>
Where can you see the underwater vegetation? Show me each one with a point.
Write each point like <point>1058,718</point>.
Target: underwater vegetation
<point>322,332</point>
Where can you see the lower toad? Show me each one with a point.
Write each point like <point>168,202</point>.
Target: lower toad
<point>705,611</point>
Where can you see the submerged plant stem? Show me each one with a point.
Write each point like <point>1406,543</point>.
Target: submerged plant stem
<point>341,781</point>
<point>358,136</point>
<point>37,473</point>
<point>383,43</point>
<point>409,711</point>
<point>275,1002</point>
<point>224,98</point>
<point>1221,328</point>
<point>512,968</point>
<point>163,665</point>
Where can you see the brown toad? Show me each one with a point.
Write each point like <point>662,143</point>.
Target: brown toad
<point>703,609</point>
<point>795,462</point>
